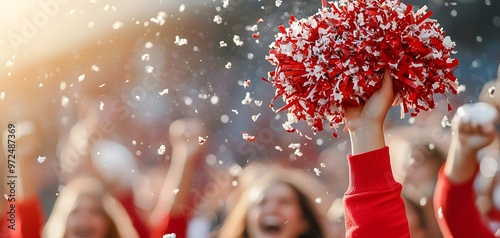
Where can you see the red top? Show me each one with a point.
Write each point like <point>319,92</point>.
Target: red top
<point>373,203</point>
<point>29,219</point>
<point>456,211</point>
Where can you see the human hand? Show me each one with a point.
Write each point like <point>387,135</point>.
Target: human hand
<point>365,123</point>
<point>184,135</point>
<point>474,132</point>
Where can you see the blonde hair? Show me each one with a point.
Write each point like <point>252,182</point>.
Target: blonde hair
<point>119,221</point>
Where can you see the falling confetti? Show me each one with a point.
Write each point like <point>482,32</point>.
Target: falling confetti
<point>165,91</point>
<point>95,68</point>
<point>247,137</point>
<point>81,77</point>
<point>161,150</point>
<point>237,41</point>
<point>247,100</point>
<point>228,65</point>
<point>64,101</point>
<point>217,19</point>
<point>278,3</point>
<point>222,44</point>
<point>2,95</point>
<point>255,117</point>
<point>201,140</point>
<point>101,106</point>
<point>180,41</point>
<point>41,159</point>
<point>278,148</point>
<point>247,83</point>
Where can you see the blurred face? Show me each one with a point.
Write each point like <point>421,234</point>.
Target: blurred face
<point>87,220</point>
<point>276,214</point>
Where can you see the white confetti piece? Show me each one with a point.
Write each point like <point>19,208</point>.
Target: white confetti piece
<point>81,77</point>
<point>171,235</point>
<point>64,101</point>
<point>101,106</point>
<point>161,150</point>
<point>317,171</point>
<point>247,100</point>
<point>201,140</point>
<point>180,41</point>
<point>102,85</point>
<point>148,45</point>
<point>294,146</point>
<point>94,68</point>
<point>247,137</point>
<point>175,191</point>
<point>237,41</point>
<point>246,83</point>
<point>145,57</point>
<point>258,103</point>
<point>225,3</point>
<point>222,44</point>
<point>228,65</point>
<point>297,152</point>
<point>317,200</point>
<point>2,95</point>
<point>9,63</point>
<point>278,3</point>
<point>41,159</point>
<point>255,117</point>
<point>278,148</point>
<point>182,8</point>
<point>235,111</point>
<point>117,25</point>
<point>165,91</point>
<point>217,19</point>
<point>445,122</point>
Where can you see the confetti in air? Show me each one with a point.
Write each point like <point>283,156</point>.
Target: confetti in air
<point>247,100</point>
<point>201,140</point>
<point>336,59</point>
<point>41,159</point>
<point>247,137</point>
<point>228,65</point>
<point>161,150</point>
<point>278,3</point>
<point>180,41</point>
<point>237,41</point>
<point>217,19</point>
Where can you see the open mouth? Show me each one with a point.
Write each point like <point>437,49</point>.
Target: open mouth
<point>271,226</point>
<point>84,233</point>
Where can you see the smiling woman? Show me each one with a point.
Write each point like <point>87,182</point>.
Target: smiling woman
<point>274,206</point>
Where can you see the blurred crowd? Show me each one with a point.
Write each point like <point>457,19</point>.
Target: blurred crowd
<point>124,131</point>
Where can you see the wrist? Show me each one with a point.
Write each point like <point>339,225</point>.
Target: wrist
<point>366,138</point>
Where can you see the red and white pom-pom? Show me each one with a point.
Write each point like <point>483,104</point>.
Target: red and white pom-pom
<point>336,59</point>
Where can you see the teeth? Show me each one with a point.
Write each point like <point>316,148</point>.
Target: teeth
<point>272,221</point>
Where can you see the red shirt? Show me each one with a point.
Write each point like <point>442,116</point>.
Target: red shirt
<point>373,203</point>
<point>456,211</point>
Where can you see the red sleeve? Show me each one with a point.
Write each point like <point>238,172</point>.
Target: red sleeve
<point>456,211</point>
<point>176,224</point>
<point>373,203</point>
<point>127,201</point>
<point>28,219</point>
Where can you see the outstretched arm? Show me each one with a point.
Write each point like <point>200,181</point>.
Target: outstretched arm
<point>24,196</point>
<point>373,203</point>
<point>174,208</point>
<point>454,199</point>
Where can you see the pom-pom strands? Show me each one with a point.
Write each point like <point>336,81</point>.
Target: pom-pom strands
<point>336,59</point>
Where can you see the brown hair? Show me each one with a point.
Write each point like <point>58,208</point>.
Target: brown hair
<point>119,222</point>
<point>235,224</point>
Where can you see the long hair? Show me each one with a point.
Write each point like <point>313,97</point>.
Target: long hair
<point>118,220</point>
<point>235,224</point>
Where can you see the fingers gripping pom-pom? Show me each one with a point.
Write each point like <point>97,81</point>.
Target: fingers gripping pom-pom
<point>336,59</point>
